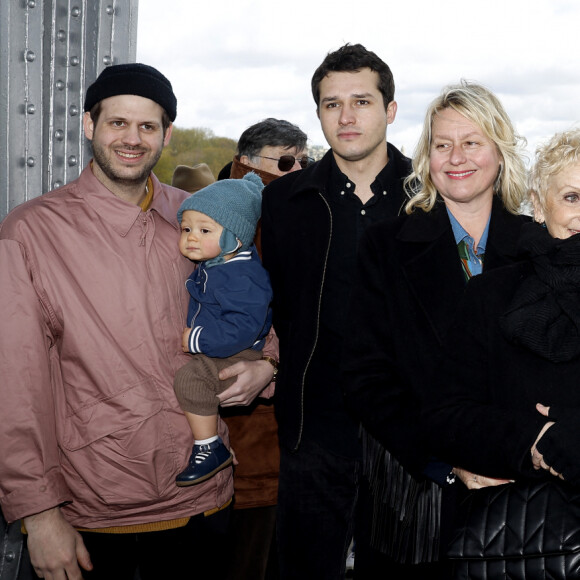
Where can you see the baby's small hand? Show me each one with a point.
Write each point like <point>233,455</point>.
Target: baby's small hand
<point>185,339</point>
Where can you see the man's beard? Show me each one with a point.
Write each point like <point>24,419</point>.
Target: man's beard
<point>106,166</point>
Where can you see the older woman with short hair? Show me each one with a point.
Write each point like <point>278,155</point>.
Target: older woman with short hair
<point>557,165</point>
<point>469,182</point>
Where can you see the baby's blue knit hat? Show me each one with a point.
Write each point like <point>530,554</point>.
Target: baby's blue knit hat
<point>235,204</point>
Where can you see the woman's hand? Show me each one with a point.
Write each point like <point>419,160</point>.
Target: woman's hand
<point>474,481</point>
<point>537,458</point>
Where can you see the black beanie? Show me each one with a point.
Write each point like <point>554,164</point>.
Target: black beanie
<point>133,79</point>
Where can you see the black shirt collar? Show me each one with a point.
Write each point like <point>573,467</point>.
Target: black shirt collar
<point>386,178</point>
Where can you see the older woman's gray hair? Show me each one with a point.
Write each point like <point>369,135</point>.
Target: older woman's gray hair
<point>561,151</point>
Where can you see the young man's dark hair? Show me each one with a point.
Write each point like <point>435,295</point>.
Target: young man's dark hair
<point>352,58</point>
<point>270,132</point>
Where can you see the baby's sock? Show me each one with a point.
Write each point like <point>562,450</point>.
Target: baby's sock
<point>206,441</point>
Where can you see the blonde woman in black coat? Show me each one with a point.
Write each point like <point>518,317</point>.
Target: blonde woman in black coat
<point>470,181</point>
<point>511,409</point>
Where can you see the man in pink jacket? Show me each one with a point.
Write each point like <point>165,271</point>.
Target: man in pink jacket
<point>93,306</point>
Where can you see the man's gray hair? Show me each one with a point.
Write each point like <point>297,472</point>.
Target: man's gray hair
<point>271,132</point>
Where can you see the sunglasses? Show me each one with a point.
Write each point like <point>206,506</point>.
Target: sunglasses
<point>286,162</point>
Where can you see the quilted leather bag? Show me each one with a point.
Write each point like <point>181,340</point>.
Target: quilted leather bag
<point>528,530</point>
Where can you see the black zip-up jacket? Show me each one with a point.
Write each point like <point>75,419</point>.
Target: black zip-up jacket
<point>296,233</point>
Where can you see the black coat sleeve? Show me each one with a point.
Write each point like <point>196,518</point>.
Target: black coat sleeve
<point>478,418</point>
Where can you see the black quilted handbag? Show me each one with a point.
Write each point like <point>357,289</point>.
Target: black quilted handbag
<point>528,530</point>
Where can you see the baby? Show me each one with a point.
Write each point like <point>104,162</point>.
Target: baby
<point>229,309</point>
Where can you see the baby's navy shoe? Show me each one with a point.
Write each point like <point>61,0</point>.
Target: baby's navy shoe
<point>205,462</point>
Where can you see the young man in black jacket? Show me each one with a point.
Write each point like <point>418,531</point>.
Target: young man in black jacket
<point>312,221</point>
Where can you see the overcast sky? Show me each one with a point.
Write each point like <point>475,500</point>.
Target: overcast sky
<point>233,63</point>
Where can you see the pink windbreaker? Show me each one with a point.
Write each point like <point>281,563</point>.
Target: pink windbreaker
<point>92,307</point>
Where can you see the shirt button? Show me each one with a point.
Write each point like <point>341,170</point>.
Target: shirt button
<point>342,193</point>
<point>348,184</point>
<point>384,193</point>
<point>363,212</point>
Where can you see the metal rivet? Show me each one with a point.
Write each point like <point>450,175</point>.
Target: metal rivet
<point>10,556</point>
<point>29,55</point>
<point>73,110</point>
<point>60,85</point>
<point>107,60</point>
<point>59,134</point>
<point>72,160</point>
<point>75,11</point>
<point>31,3</point>
<point>74,60</point>
<point>56,184</point>
<point>31,162</point>
<point>110,10</point>
<point>31,109</point>
<point>61,35</point>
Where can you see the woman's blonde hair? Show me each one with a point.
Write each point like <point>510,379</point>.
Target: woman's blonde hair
<point>483,108</point>
<point>562,150</point>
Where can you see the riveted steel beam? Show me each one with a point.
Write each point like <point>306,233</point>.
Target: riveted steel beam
<point>50,51</point>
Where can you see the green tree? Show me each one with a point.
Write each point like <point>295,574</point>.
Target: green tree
<point>193,146</point>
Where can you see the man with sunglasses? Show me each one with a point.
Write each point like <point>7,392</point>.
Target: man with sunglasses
<point>270,148</point>
<point>311,224</point>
